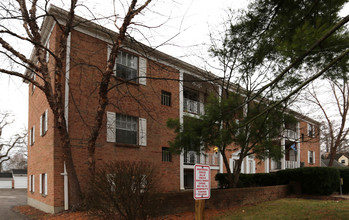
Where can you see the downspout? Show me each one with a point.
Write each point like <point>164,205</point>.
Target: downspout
<point>66,115</point>
<point>66,198</point>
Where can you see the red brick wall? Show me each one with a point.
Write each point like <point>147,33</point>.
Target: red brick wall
<point>40,154</point>
<point>309,144</point>
<point>183,201</point>
<point>124,99</point>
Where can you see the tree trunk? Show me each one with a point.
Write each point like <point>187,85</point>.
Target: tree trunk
<point>226,164</point>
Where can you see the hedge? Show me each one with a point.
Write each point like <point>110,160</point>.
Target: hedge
<point>313,180</point>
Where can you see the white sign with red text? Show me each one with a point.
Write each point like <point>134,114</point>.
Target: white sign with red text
<point>202,182</point>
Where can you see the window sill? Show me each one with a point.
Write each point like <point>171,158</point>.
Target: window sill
<point>127,81</point>
<point>43,195</point>
<point>127,145</point>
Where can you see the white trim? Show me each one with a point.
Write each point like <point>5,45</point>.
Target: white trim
<point>142,70</point>
<point>33,141</point>
<point>33,183</point>
<point>46,121</point>
<point>40,183</point>
<point>142,131</point>
<point>181,157</point>
<point>41,132</point>
<point>46,186</point>
<point>67,76</point>
<point>29,183</point>
<point>111,127</point>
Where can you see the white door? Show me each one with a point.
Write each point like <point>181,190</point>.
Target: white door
<point>20,182</point>
<point>5,184</point>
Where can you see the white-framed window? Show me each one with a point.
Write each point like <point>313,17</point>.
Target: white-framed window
<point>32,136</point>
<point>31,183</point>
<point>165,98</point>
<point>126,129</point>
<point>43,184</point>
<point>127,66</point>
<point>310,130</point>
<point>43,123</point>
<point>311,157</point>
<point>33,86</point>
<point>343,161</point>
<point>130,67</point>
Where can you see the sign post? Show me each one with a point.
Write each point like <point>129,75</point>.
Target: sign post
<point>202,188</point>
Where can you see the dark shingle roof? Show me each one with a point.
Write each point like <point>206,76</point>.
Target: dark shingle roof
<point>335,163</point>
<point>19,171</point>
<point>5,175</point>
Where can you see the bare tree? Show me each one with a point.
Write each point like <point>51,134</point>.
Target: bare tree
<point>50,82</point>
<point>8,145</point>
<point>334,114</point>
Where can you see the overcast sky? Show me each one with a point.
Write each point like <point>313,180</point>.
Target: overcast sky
<point>189,22</point>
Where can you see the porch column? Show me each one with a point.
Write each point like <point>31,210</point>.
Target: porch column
<point>298,145</point>
<point>283,159</point>
<point>266,165</point>
<point>181,158</point>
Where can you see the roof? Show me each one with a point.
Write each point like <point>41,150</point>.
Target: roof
<point>104,33</point>
<point>19,171</point>
<point>335,163</point>
<point>5,175</point>
<point>337,156</point>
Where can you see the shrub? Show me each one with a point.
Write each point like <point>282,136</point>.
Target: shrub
<point>248,180</point>
<point>124,190</point>
<point>344,173</point>
<point>313,180</point>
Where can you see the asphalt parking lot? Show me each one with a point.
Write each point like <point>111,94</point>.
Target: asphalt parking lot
<point>10,198</point>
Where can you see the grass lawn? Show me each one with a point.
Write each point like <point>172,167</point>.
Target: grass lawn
<point>291,209</point>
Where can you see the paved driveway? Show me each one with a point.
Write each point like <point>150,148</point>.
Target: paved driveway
<point>10,198</point>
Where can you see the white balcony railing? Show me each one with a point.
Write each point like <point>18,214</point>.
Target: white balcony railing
<point>192,158</point>
<point>290,134</point>
<point>193,107</point>
<point>291,164</point>
<point>275,165</point>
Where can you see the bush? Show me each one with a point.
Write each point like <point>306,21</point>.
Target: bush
<point>124,190</point>
<point>313,180</point>
<point>248,180</point>
<point>344,173</point>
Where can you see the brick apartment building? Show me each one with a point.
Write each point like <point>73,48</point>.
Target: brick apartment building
<point>134,127</point>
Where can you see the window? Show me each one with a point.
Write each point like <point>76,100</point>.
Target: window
<point>33,86</point>
<point>126,129</point>
<point>165,98</point>
<point>310,130</point>
<point>166,154</point>
<point>32,136</point>
<point>123,129</point>
<point>343,161</point>
<point>43,184</point>
<point>311,157</point>
<point>31,183</point>
<point>43,123</point>
<point>302,137</point>
<point>127,66</point>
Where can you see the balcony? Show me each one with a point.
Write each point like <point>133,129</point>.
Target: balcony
<point>193,107</point>
<point>192,158</point>
<point>275,165</point>
<point>290,134</point>
<point>291,164</point>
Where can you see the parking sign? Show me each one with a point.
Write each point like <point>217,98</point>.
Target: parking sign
<point>202,182</point>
